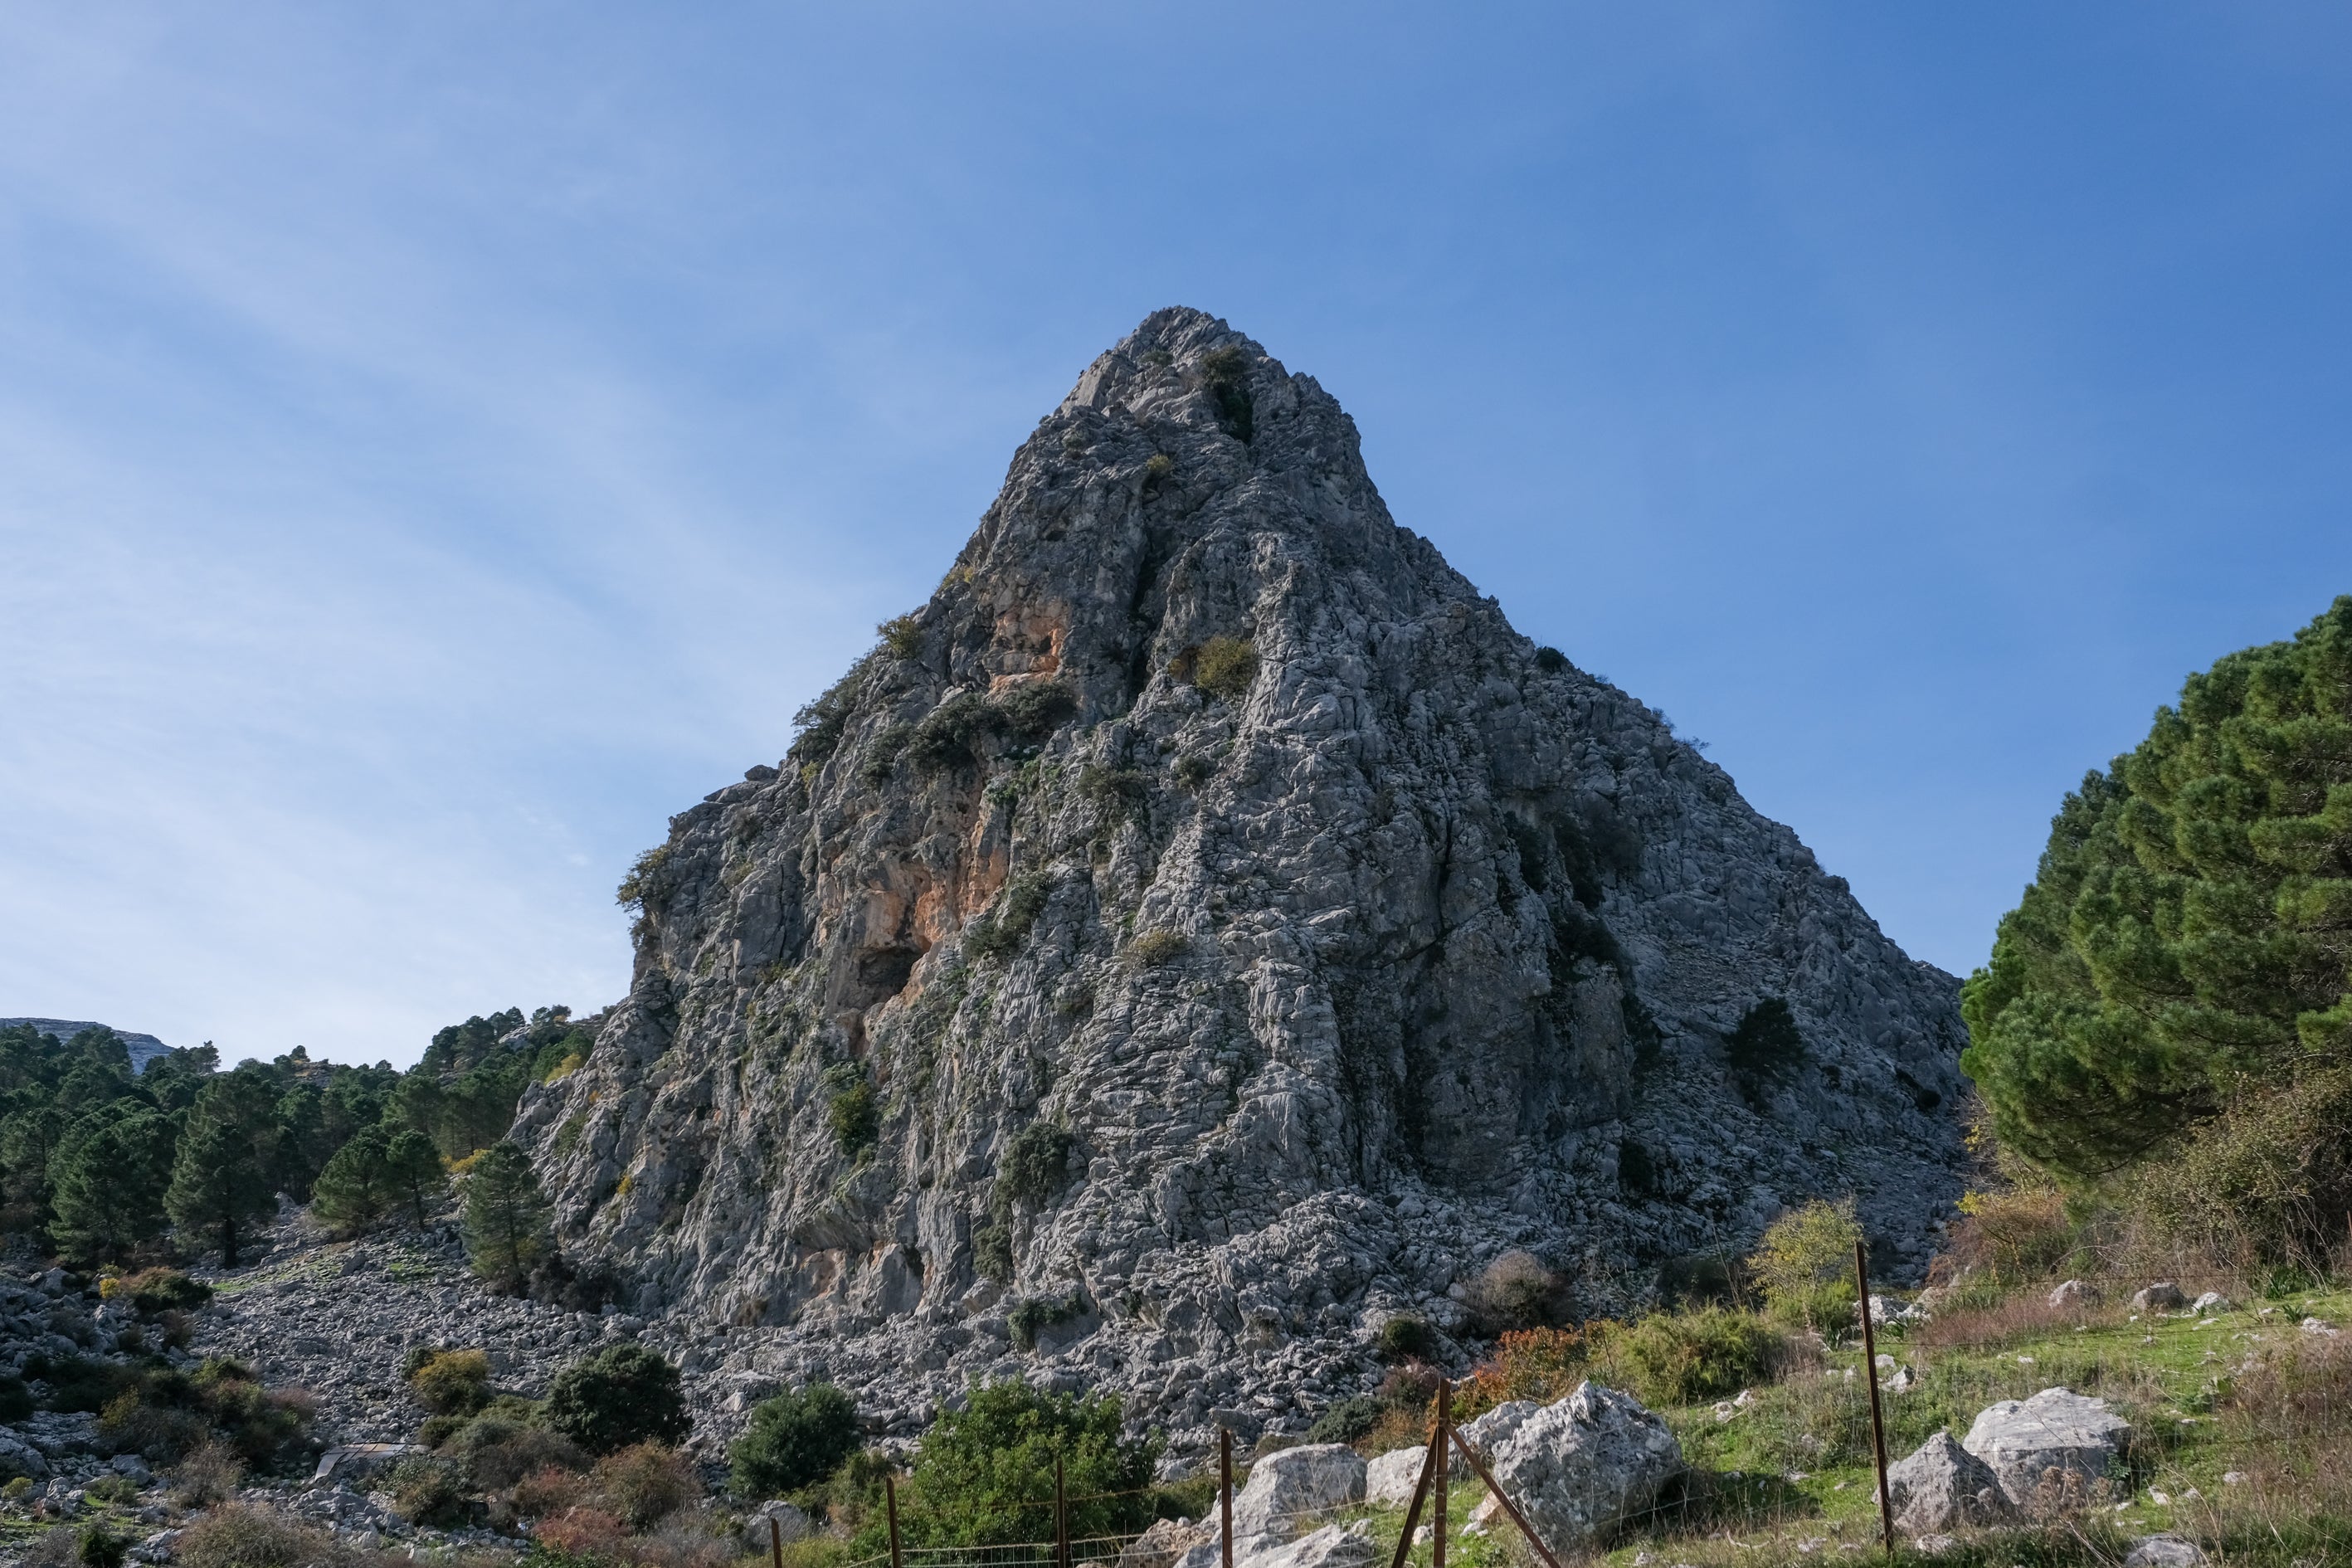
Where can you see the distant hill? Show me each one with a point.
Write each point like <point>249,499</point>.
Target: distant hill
<point>144,1049</point>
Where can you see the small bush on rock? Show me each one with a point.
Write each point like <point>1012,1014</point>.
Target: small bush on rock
<point>1225,668</point>
<point>622,1394</point>
<point>1406,1337</point>
<point>496,1453</point>
<point>1036,1162</point>
<point>794,1440</point>
<point>1154,948</point>
<point>209,1475</point>
<point>1541,1364</point>
<point>154,1290</point>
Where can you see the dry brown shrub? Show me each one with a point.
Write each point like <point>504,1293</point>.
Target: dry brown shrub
<point>2019,1316</point>
<point>549,1492</point>
<point>239,1537</point>
<point>2012,1236</point>
<point>211,1474</point>
<point>646,1483</point>
<point>584,1533</point>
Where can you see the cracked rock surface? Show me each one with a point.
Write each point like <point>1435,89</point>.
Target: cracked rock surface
<point>1200,931</point>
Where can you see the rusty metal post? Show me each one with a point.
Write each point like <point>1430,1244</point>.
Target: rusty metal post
<point>1870,1374</point>
<point>776,1540</point>
<point>1441,1446</point>
<point>1225,1489</point>
<point>1431,1456</point>
<point>890,1507</point>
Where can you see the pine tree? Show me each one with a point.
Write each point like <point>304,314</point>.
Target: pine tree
<point>107,1180</point>
<point>2184,948</point>
<point>355,1188</point>
<point>506,1217</point>
<point>221,1179</point>
<point>413,1172</point>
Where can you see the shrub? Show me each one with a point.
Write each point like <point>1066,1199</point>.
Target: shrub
<point>1030,1317</point>
<point>1805,1263</point>
<point>903,636</point>
<point>112,1489</point>
<point>452,1383</point>
<point>1765,1046</point>
<point>1406,1337</point>
<point>98,1547</point>
<point>429,1491</point>
<point>154,1290</point>
<point>1155,948</point>
<point>851,1108</point>
<point>945,738</point>
<point>984,1474</point>
<point>1348,1421</point>
<point>161,1432</point>
<point>2012,1234</point>
<point>506,1217</point>
<point>239,1537</point>
<point>644,1483</point>
<point>622,1394</point>
<point>998,936</point>
<point>1157,468</point>
<point>2268,1181</point>
<point>1036,709</point>
<point>992,1251</point>
<point>1550,660</point>
<point>1192,771</point>
<point>1036,1162</point>
<point>1225,668</point>
<point>1541,1364</point>
<point>1675,1358</point>
<point>1516,1291</point>
<point>548,1491</point>
<point>794,1440</point>
<point>1224,376</point>
<point>645,883</point>
<point>495,1452</point>
<point>210,1474</point>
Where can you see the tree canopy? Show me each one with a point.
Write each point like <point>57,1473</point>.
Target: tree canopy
<point>2183,948</point>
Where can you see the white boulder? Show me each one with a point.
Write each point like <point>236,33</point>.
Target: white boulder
<point>2163,1296</point>
<point>2165,1551</point>
<point>1289,1487</point>
<point>1582,1467</point>
<point>1389,1478</point>
<point>1333,1546</point>
<point>1942,1486</point>
<point>2051,1451</point>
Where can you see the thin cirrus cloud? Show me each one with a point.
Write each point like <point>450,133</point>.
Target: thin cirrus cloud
<point>434,445</point>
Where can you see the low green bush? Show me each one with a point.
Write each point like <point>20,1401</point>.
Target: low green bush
<point>1406,1337</point>
<point>794,1440</point>
<point>852,1109</point>
<point>1225,668</point>
<point>1679,1358</point>
<point>1348,1421</point>
<point>985,1474</point>
<point>644,1483</point>
<point>1805,1265</point>
<point>430,1491</point>
<point>1036,1162</point>
<point>452,1383</point>
<point>622,1394</point>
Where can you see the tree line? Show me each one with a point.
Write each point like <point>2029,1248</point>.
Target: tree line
<point>100,1162</point>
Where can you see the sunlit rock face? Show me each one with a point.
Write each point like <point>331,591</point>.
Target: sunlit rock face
<point>1202,929</point>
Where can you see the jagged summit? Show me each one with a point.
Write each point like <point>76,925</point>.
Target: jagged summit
<point>1202,930</point>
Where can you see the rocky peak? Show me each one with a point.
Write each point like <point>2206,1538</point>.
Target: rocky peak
<point>1205,928</point>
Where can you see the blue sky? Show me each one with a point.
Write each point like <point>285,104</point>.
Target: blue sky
<point>437,442</point>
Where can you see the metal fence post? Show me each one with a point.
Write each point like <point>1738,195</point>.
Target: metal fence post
<point>1441,1447</point>
<point>1225,1489</point>
<point>1061,1519</point>
<point>1870,1374</point>
<point>775,1540</point>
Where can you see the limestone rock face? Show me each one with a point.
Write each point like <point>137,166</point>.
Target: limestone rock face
<point>1202,930</point>
<point>1288,1489</point>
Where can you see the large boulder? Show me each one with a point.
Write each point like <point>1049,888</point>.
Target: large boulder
<point>1289,1487</point>
<point>2165,1551</point>
<point>2163,1296</point>
<point>1333,1546</point>
<point>2052,1451</point>
<point>1942,1486</point>
<point>1580,1467</point>
<point>1490,1430</point>
<point>1389,1478</point>
<point>1166,1540</point>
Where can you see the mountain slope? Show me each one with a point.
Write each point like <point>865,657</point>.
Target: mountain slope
<point>1203,929</point>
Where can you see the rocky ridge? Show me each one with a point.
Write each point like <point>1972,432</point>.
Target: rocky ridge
<point>1202,930</point>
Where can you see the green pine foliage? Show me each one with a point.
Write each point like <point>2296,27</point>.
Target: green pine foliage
<point>221,1171</point>
<point>353,1190</point>
<point>2182,954</point>
<point>506,1218</point>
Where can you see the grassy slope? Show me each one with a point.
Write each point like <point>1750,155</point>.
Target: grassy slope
<point>1787,1477</point>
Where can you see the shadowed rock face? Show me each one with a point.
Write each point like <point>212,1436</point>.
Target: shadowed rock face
<point>1207,916</point>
